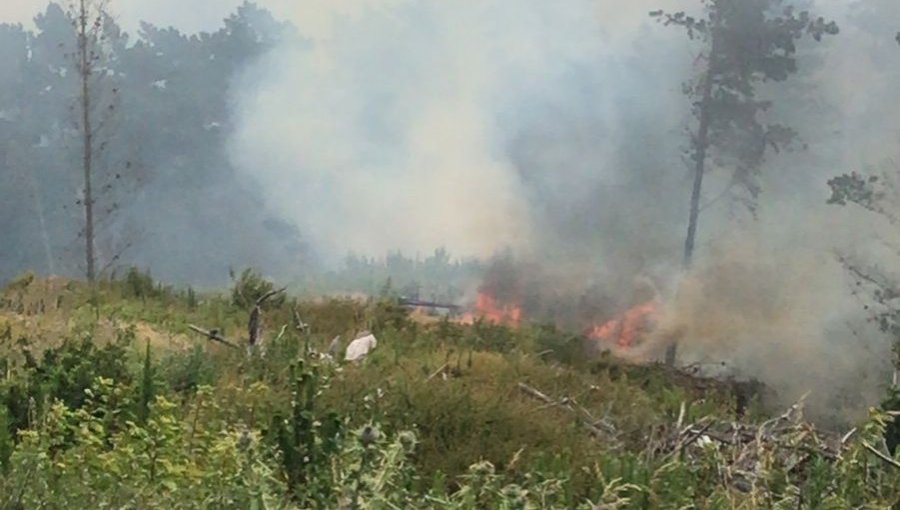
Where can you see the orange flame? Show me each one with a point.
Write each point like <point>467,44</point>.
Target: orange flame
<point>490,309</point>
<point>625,329</point>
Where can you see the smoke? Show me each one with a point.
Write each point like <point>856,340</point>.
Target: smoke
<point>784,320</point>
<point>558,133</point>
<point>190,16</point>
<point>413,125</point>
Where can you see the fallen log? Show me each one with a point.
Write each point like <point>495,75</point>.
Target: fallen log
<point>213,335</point>
<point>415,303</point>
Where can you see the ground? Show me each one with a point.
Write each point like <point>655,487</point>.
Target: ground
<point>527,402</point>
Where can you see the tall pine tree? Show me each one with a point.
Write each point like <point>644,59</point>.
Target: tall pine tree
<point>745,43</point>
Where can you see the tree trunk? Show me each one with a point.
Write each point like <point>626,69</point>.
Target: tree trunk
<point>700,150</point>
<point>699,171</point>
<point>87,139</point>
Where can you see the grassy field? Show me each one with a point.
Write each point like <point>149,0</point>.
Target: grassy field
<point>109,400</point>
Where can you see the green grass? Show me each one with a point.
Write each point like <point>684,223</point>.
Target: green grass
<point>107,401</point>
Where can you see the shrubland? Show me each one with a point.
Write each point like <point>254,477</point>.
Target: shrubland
<point>108,400</point>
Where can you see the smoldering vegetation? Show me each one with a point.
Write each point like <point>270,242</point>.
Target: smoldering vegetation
<point>547,149</point>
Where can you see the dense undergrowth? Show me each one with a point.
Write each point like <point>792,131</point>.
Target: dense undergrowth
<point>106,401</point>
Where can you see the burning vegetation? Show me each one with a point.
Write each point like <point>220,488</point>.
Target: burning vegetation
<point>627,328</point>
<point>490,309</point>
<point>514,292</point>
<point>608,317</point>
<point>623,330</point>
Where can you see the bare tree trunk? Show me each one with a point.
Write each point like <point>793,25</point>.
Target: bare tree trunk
<point>700,150</point>
<point>699,171</point>
<point>87,138</point>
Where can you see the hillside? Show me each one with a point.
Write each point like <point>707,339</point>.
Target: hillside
<point>109,400</point>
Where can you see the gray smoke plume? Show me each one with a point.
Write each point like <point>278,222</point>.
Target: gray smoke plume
<point>557,132</point>
<point>557,129</point>
<point>475,125</point>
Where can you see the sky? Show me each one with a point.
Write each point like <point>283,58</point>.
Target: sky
<point>191,15</point>
<point>314,17</point>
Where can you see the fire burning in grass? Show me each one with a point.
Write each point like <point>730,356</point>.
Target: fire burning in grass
<point>490,309</point>
<point>627,328</point>
<point>512,292</point>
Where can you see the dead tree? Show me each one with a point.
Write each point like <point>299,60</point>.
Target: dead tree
<point>254,325</point>
<point>88,38</point>
<point>98,39</point>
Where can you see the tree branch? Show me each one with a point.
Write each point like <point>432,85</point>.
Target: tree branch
<point>268,295</point>
<point>881,456</point>
<point>213,335</point>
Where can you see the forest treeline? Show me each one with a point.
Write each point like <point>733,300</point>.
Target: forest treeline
<point>170,198</point>
<point>160,151</point>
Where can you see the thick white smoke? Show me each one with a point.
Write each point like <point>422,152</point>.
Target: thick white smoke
<point>391,128</point>
<point>555,128</point>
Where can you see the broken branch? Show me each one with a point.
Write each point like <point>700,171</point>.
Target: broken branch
<point>438,371</point>
<point>268,295</point>
<point>679,448</point>
<point>212,335</point>
<point>881,456</point>
<point>254,325</point>
<point>564,404</point>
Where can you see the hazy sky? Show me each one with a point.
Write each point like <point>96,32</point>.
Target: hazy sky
<point>314,17</point>
<point>190,15</point>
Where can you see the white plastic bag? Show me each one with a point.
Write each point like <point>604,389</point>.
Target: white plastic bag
<point>361,347</point>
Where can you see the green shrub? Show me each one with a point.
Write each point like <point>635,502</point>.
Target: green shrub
<point>165,463</point>
<point>63,374</point>
<point>307,437</point>
<point>6,438</point>
<point>184,372</point>
<point>138,284</point>
<point>249,287</point>
<point>21,282</point>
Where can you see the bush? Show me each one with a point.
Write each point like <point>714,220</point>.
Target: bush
<point>21,282</point>
<point>249,287</point>
<point>184,372</point>
<point>112,462</point>
<point>63,374</point>
<point>138,284</point>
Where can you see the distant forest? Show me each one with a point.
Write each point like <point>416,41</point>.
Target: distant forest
<point>171,200</point>
<point>163,142</point>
